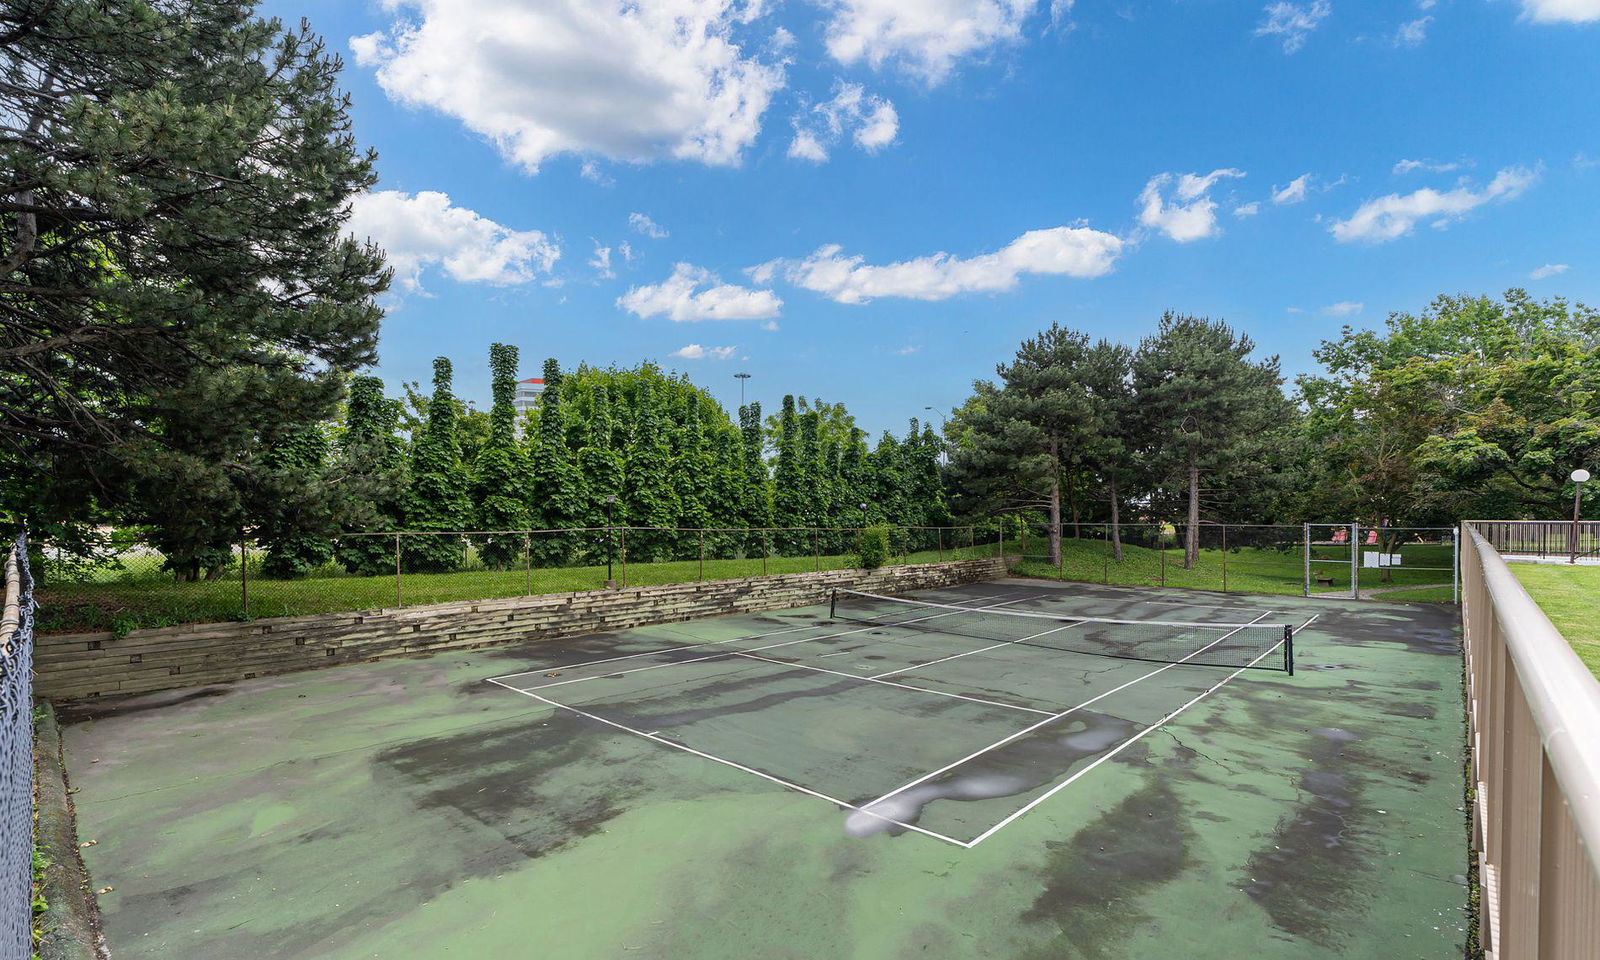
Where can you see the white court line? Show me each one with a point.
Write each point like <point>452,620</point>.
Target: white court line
<point>1119,748</point>
<point>1053,718</point>
<point>891,683</point>
<point>716,656</point>
<point>691,646</point>
<point>737,766</point>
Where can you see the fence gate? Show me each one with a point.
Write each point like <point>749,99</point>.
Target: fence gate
<point>1351,561</point>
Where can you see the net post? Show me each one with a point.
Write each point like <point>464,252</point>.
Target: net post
<point>1288,649</point>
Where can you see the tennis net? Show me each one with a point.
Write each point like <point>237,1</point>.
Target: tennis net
<point>1208,644</point>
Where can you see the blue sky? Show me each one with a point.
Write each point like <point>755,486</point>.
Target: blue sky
<point>873,201</point>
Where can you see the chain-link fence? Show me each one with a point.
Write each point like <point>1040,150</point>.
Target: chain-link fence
<point>124,584</point>
<point>16,749</point>
<point>1400,563</point>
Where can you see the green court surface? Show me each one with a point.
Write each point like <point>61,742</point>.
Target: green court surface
<point>789,785</point>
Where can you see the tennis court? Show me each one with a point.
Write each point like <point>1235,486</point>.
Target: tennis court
<point>1008,769</point>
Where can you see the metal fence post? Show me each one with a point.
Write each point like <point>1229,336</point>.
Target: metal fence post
<point>939,534</point>
<point>399,598</point>
<point>702,554</point>
<point>763,551</point>
<point>1455,564</point>
<point>1161,548</point>
<point>1306,556</point>
<point>816,549</point>
<point>1355,558</point>
<point>244,574</point>
<point>623,554</point>
<point>527,560</point>
<point>1224,558</point>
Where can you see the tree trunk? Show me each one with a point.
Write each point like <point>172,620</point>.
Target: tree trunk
<point>1072,500</point>
<point>1055,503</point>
<point>1116,520</point>
<point>1191,549</point>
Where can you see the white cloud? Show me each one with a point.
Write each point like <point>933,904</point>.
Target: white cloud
<point>643,224</point>
<point>629,81</point>
<point>908,350</point>
<point>1393,216</point>
<point>1190,213</point>
<point>1293,22</point>
<point>1549,270</point>
<point>426,230</point>
<point>695,351</point>
<point>926,38</point>
<point>601,261</point>
<point>1413,33</point>
<point>626,249</point>
<point>1411,166</point>
<point>1344,308</point>
<point>1059,251</point>
<point>1247,210</point>
<point>693,293</point>
<point>1294,192</point>
<point>870,119</point>
<point>770,325</point>
<point>1561,11</point>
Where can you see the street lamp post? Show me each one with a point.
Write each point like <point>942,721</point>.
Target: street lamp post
<point>611,541</point>
<point>1578,477</point>
<point>944,441</point>
<point>741,377</point>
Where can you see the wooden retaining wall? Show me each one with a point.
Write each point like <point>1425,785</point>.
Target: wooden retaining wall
<point>87,665</point>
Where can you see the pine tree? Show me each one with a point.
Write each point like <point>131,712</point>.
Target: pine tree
<point>1202,402</point>
<point>437,498</point>
<point>500,471</point>
<point>555,486</point>
<point>180,288</point>
<point>647,490</point>
<point>369,449</point>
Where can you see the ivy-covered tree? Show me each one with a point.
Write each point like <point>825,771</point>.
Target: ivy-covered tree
<point>555,488</point>
<point>437,497</point>
<point>648,495</point>
<point>756,502</point>
<point>691,476</point>
<point>501,470</point>
<point>296,484</point>
<point>790,499</point>
<point>369,448</point>
<point>601,466</point>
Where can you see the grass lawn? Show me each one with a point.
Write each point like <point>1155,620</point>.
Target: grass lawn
<point>156,600</point>
<point>1570,596</point>
<point>1243,569</point>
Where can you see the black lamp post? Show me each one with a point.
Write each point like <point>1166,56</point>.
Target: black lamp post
<point>611,540</point>
<point>741,377</point>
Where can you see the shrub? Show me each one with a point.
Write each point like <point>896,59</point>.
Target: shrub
<point>872,547</point>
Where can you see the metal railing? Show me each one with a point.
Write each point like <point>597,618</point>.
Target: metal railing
<point>1542,539</point>
<point>16,757</point>
<point>1534,712</point>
